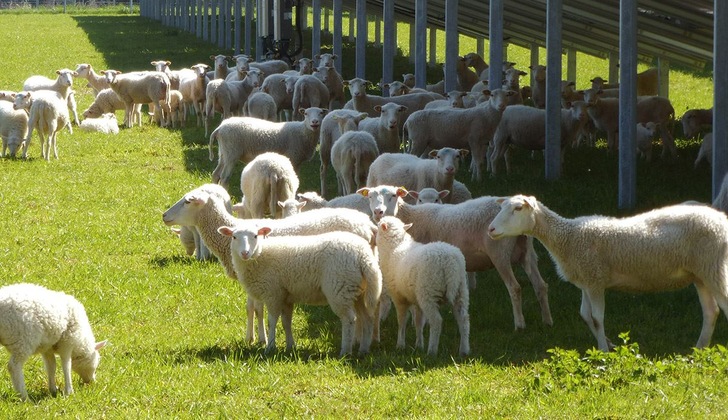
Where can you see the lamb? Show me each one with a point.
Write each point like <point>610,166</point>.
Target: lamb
<point>334,83</point>
<point>429,195</point>
<point>174,75</point>
<point>385,128</point>
<point>7,96</point>
<point>421,275</point>
<point>261,105</point>
<point>330,132</point>
<point>693,121</point>
<point>312,201</point>
<point>97,81</point>
<point>512,81</point>
<point>525,126</point>
<point>105,124</point>
<point>141,88</point>
<point>207,211</point>
<point>326,59</point>
<point>62,85</point>
<point>275,86</point>
<point>228,97</point>
<point>538,89</point>
<point>706,150</point>
<point>48,114</point>
<point>414,173</point>
<point>337,268</point>
<point>644,135</point>
<point>244,63</point>
<point>220,66</point>
<point>663,249</point>
<point>465,225</point>
<point>193,89</point>
<point>176,109</point>
<point>308,91</point>
<point>108,101</point>
<point>471,128</point>
<point>478,64</point>
<point>454,99</point>
<point>409,80</point>
<point>13,128</point>
<point>243,138</point>
<point>305,66</point>
<point>466,77</point>
<point>264,181</point>
<point>351,157</point>
<point>38,320</point>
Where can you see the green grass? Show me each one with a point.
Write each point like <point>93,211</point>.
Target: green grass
<point>90,224</point>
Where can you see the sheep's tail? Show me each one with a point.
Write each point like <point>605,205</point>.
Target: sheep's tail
<point>274,186</point>
<point>457,289</point>
<point>213,137</point>
<point>373,278</point>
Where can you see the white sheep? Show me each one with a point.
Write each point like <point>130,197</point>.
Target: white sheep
<point>62,84</point>
<point>47,114</point>
<point>325,59</point>
<point>337,268</point>
<point>228,96</point>
<point>176,109</point>
<point>243,138</point>
<point>409,80</point>
<point>267,179</point>
<point>421,275</point>
<point>385,128</point>
<point>308,92</point>
<point>693,120</point>
<point>190,237</point>
<point>13,128</point>
<point>466,77</point>
<point>96,81</point>
<point>662,249</point>
<point>415,173</point>
<point>34,319</point>
<point>174,75</point>
<point>108,101</point>
<point>311,201</point>
<point>275,86</point>
<point>351,157</point>
<point>706,150</point>
<point>141,88</point>
<point>220,66</point>
<point>429,195</point>
<point>465,225</point>
<point>329,133</point>
<point>512,81</point>
<point>525,127</point>
<point>261,105</point>
<point>105,124</point>
<point>244,63</point>
<point>471,128</point>
<point>644,135</point>
<point>192,87</point>
<point>334,83</point>
<point>538,89</point>
<point>475,61</point>
<point>454,99</point>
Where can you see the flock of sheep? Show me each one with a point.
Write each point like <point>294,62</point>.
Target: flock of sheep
<point>402,230</point>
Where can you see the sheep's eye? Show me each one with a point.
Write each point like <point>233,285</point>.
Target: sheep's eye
<point>518,208</point>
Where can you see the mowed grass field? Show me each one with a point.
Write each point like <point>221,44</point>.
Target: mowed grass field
<point>90,224</point>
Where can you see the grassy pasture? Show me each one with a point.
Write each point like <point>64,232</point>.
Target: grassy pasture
<point>90,224</point>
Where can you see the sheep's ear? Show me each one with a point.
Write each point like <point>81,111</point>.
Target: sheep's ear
<point>463,152</point>
<point>176,231</point>
<point>212,57</point>
<point>401,192</point>
<point>500,200</point>
<point>402,108</point>
<point>302,111</point>
<point>414,194</point>
<point>486,92</point>
<point>383,226</point>
<point>530,201</point>
<point>301,204</point>
<point>225,231</point>
<point>280,204</point>
<point>378,108</point>
<point>363,191</point>
<point>407,226</point>
<point>264,231</point>
<point>100,345</point>
<point>444,193</point>
<point>433,153</point>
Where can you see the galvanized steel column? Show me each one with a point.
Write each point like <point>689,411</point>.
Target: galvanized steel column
<point>720,96</point>
<point>249,10</point>
<point>199,18</point>
<point>213,21</point>
<point>389,44</point>
<point>452,44</point>
<point>362,31</point>
<point>553,89</point>
<point>338,31</point>
<point>420,43</point>
<point>495,34</point>
<point>238,24</point>
<point>627,104</point>
<point>316,28</point>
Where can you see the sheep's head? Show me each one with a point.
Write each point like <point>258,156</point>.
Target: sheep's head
<point>245,240</point>
<point>110,75</point>
<point>383,200</point>
<point>429,195</point>
<point>390,228</point>
<point>65,76</point>
<point>313,117</point>
<point>448,159</point>
<point>85,364</point>
<point>515,218</point>
<point>23,100</point>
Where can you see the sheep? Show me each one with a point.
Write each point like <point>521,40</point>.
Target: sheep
<point>243,138</point>
<point>229,96</point>
<point>397,88</point>
<point>454,99</point>
<point>193,90</point>
<point>385,127</point>
<point>176,109</point>
<point>105,124</point>
<point>39,320</point>
<point>326,59</point>
<point>414,173</point>
<point>422,275</point>
<point>334,83</point>
<point>428,195</point>
<point>538,89</point>
<point>477,63</point>
<point>647,83</point>
<point>174,75</point>
<point>337,268</point>
<point>662,249</point>
<point>512,81</point>
<point>244,63</point>
<point>466,77</point>
<point>204,209</point>
<point>312,201</point>
<point>141,88</point>
<point>261,105</point>
<point>706,150</point>
<point>305,66</point>
<point>48,114</point>
<point>329,132</point>
<point>308,91</point>
<point>7,96</point>
<point>461,128</point>
<point>693,121</point>
<point>351,157</point>
<point>97,81</point>
<point>275,86</point>
<point>62,85</point>
<point>465,225</point>
<point>643,138</point>
<point>525,126</point>
<point>264,181</point>
<point>221,67</point>
<point>108,101</point>
<point>13,128</point>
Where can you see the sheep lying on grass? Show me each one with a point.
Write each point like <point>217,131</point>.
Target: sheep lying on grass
<point>423,275</point>
<point>105,124</point>
<point>663,249</point>
<point>336,268</point>
<point>108,101</point>
<point>34,320</point>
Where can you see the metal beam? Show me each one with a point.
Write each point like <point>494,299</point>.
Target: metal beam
<point>553,89</point>
<point>627,104</point>
<point>720,99</point>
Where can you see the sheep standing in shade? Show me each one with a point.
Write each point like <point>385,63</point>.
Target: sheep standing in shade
<point>663,249</point>
<point>423,275</point>
<point>33,320</point>
<point>336,268</point>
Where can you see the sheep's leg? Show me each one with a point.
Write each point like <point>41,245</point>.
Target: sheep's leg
<point>216,173</point>
<point>710,314</point>
<point>347,317</point>
<point>419,321</point>
<point>460,312</point>
<point>432,314</point>
<point>250,314</point>
<point>530,266</point>
<point>66,367</point>
<point>514,290</point>
<point>592,310</point>
<point>49,362</point>
<point>287,319</point>
<point>365,325</point>
<point>322,174</point>
<point>15,366</point>
<point>401,308</point>
<point>274,313</point>
<point>472,280</point>
<point>259,314</point>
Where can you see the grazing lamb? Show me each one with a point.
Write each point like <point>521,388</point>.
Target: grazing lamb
<point>62,85</point>
<point>264,181</point>
<point>415,173</point>
<point>663,249</point>
<point>329,133</point>
<point>465,225</point>
<point>108,101</point>
<point>193,88</point>
<point>337,268</point>
<point>13,128</point>
<point>261,105</point>
<point>47,114</point>
<point>97,81</point>
<point>243,138</point>
<point>693,121</point>
<point>33,320</point>
<point>471,128</point>
<point>525,127</point>
<point>351,157</point>
<point>105,124</point>
<point>141,88</point>
<point>421,276</point>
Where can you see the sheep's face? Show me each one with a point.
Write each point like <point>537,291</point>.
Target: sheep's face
<point>255,77</point>
<point>23,100</point>
<point>183,212</point>
<point>429,195</point>
<point>313,117</point>
<point>65,77</point>
<point>85,365</point>
<point>499,98</point>
<point>83,70</point>
<point>383,200</point>
<point>290,83</point>
<point>200,70</point>
<point>305,65</point>
<point>13,143</point>
<point>390,114</point>
<point>515,217</point>
<point>448,159</point>
<point>245,241</point>
<point>391,229</point>
<point>408,79</point>
<point>242,63</point>
<point>326,60</point>
<point>358,87</point>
